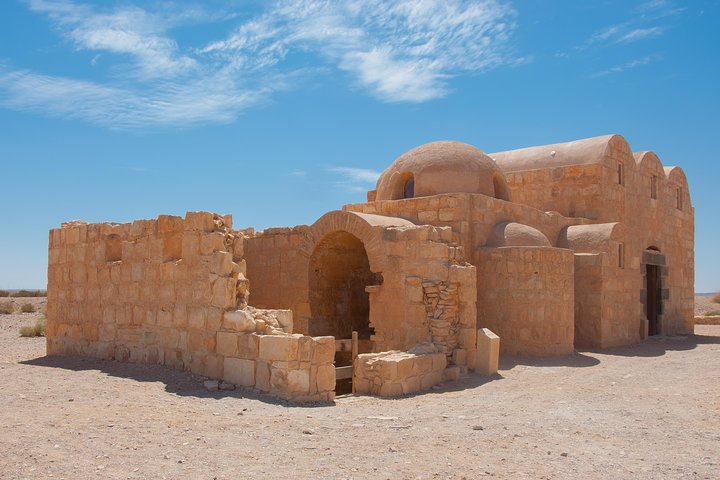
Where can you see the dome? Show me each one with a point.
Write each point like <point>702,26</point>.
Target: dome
<point>511,234</point>
<point>442,167</point>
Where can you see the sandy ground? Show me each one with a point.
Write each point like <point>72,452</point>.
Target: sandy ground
<point>648,411</point>
<point>704,305</point>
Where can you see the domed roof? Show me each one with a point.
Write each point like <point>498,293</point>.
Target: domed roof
<point>511,234</point>
<point>442,167</point>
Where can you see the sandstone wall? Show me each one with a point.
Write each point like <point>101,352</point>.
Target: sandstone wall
<point>392,374</point>
<point>158,291</point>
<point>526,296</point>
<point>404,259</point>
<point>652,203</point>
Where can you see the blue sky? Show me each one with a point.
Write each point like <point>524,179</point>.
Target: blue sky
<point>278,112</point>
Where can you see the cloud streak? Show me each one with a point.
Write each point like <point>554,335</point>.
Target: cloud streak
<point>629,65</point>
<point>355,179</point>
<point>404,51</point>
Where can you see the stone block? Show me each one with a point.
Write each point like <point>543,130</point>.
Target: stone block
<point>459,356</point>
<point>410,385</point>
<point>169,223</point>
<point>196,317</point>
<point>248,345</point>
<point>238,321</point>
<point>239,371</point>
<point>325,378</point>
<point>431,379</point>
<point>222,263</point>
<point>223,293</point>
<point>212,242</point>
<point>391,389</point>
<point>298,380</point>
<point>488,352</point>
<point>262,376</point>
<point>324,351</point>
<point>279,347</point>
<point>450,374</point>
<point>199,221</point>
<point>227,344</point>
<point>439,362</point>
<point>423,364</point>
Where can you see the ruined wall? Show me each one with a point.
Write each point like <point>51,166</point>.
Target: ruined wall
<point>149,291</point>
<point>392,374</point>
<point>402,259</point>
<point>526,296</point>
<point>159,291</point>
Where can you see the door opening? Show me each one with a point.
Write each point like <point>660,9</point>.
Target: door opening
<point>653,298</point>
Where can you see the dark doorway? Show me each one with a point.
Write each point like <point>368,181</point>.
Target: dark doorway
<point>339,273</point>
<point>339,304</point>
<point>653,298</point>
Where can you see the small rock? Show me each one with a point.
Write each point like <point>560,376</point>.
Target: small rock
<point>308,432</point>
<point>564,454</point>
<point>478,427</point>
<point>225,386</point>
<point>211,385</point>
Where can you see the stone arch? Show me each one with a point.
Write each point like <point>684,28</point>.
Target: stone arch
<point>366,227</point>
<point>344,255</point>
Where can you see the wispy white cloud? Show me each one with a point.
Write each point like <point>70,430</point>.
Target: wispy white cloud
<point>403,51</point>
<point>642,26</point>
<point>641,34</point>
<point>167,104</point>
<point>659,8</point>
<point>355,179</point>
<point>629,65</point>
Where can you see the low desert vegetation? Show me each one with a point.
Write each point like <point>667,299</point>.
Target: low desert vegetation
<point>4,293</point>
<point>715,297</point>
<point>29,293</point>
<point>27,308</point>
<point>713,313</point>
<point>37,330</point>
<point>6,308</point>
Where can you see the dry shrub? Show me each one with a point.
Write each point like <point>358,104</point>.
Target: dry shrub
<point>29,293</point>
<point>6,308</point>
<point>713,313</point>
<point>716,297</point>
<point>27,308</point>
<point>37,330</point>
<point>4,293</point>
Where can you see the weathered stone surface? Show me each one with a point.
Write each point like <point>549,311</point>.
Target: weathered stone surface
<point>239,371</point>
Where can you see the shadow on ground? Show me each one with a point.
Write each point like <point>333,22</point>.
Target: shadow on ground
<point>658,346</point>
<point>176,382</point>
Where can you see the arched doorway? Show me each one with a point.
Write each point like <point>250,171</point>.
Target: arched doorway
<point>338,274</point>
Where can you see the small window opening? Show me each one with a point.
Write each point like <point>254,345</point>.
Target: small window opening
<point>621,255</point>
<point>620,173</point>
<point>409,188</point>
<point>679,198</point>
<point>653,187</point>
<point>113,248</point>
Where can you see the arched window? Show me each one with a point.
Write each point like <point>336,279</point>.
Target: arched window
<point>409,188</point>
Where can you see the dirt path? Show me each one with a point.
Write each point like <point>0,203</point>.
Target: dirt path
<point>648,411</point>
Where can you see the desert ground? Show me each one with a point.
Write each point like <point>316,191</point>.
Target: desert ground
<point>645,411</point>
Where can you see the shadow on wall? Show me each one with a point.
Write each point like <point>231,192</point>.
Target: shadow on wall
<point>177,382</point>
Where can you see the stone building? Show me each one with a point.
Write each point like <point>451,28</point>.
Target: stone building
<point>574,245</point>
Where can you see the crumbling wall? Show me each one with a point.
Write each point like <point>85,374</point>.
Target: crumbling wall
<point>157,291</point>
<point>402,256</point>
<point>394,373</point>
